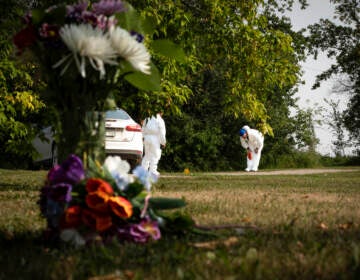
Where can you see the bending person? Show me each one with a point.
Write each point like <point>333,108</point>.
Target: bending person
<point>253,141</point>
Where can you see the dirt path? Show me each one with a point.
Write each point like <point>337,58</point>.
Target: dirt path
<point>302,171</point>
<point>291,171</point>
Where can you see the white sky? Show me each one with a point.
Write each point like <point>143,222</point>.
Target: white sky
<point>315,98</point>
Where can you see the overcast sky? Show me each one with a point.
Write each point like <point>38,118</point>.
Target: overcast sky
<point>315,98</point>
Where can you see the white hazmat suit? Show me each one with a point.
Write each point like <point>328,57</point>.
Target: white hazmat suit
<point>154,134</point>
<point>253,141</point>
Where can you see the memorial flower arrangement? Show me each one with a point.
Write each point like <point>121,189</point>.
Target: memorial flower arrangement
<point>84,50</point>
<point>104,203</point>
<point>84,34</point>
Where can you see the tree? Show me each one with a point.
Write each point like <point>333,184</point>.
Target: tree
<point>232,39</point>
<point>19,101</point>
<point>240,59</point>
<point>341,40</point>
<point>335,120</point>
<point>241,66</point>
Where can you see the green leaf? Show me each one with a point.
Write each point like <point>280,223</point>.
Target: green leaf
<point>178,222</point>
<point>129,20</point>
<point>93,168</point>
<point>162,203</point>
<point>37,16</point>
<point>133,189</point>
<point>56,15</point>
<point>148,25</point>
<point>169,49</point>
<point>145,82</point>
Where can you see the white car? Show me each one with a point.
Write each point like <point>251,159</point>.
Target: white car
<point>123,137</point>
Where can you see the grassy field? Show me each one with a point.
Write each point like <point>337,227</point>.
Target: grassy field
<point>263,227</point>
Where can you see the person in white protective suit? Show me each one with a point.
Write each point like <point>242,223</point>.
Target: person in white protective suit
<point>154,134</point>
<point>253,141</point>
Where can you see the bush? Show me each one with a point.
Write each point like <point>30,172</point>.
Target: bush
<point>340,161</point>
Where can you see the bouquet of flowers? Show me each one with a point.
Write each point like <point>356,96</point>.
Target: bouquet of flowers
<point>105,203</point>
<point>84,35</point>
<point>84,50</point>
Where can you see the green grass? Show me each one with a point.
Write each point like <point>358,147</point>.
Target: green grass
<point>281,227</point>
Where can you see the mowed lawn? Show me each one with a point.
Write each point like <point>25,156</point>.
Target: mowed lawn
<point>257,227</point>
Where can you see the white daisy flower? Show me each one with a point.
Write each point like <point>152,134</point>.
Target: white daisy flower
<point>131,50</point>
<point>84,41</point>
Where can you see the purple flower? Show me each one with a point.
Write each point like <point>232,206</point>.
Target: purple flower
<point>74,12</point>
<point>49,31</point>
<point>60,192</point>
<point>138,37</point>
<point>89,17</point>
<point>70,171</point>
<point>108,7</point>
<point>140,233</point>
<point>104,22</point>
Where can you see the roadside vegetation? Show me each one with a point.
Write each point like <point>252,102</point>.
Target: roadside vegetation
<point>223,84</point>
<point>262,227</point>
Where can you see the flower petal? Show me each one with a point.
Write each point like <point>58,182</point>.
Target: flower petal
<point>121,206</point>
<point>131,50</point>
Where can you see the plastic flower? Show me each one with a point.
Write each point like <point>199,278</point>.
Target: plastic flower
<point>96,184</point>
<point>95,220</point>
<point>145,177</point>
<point>72,216</point>
<point>84,41</point>
<point>150,227</point>
<point>116,165</point>
<point>140,233</point>
<point>130,49</point>
<point>108,7</point>
<point>60,192</point>
<point>119,170</point>
<point>70,171</point>
<point>98,201</point>
<point>121,206</point>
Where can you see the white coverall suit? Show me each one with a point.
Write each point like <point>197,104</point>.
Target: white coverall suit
<point>154,134</point>
<point>254,143</point>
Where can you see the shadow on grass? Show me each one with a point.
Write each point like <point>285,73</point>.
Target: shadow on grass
<point>29,256</point>
<point>264,254</point>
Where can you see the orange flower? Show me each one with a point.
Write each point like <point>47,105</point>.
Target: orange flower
<point>98,201</point>
<point>120,206</point>
<point>97,221</point>
<point>72,216</point>
<point>96,184</point>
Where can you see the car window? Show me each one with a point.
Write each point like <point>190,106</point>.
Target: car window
<point>117,114</point>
